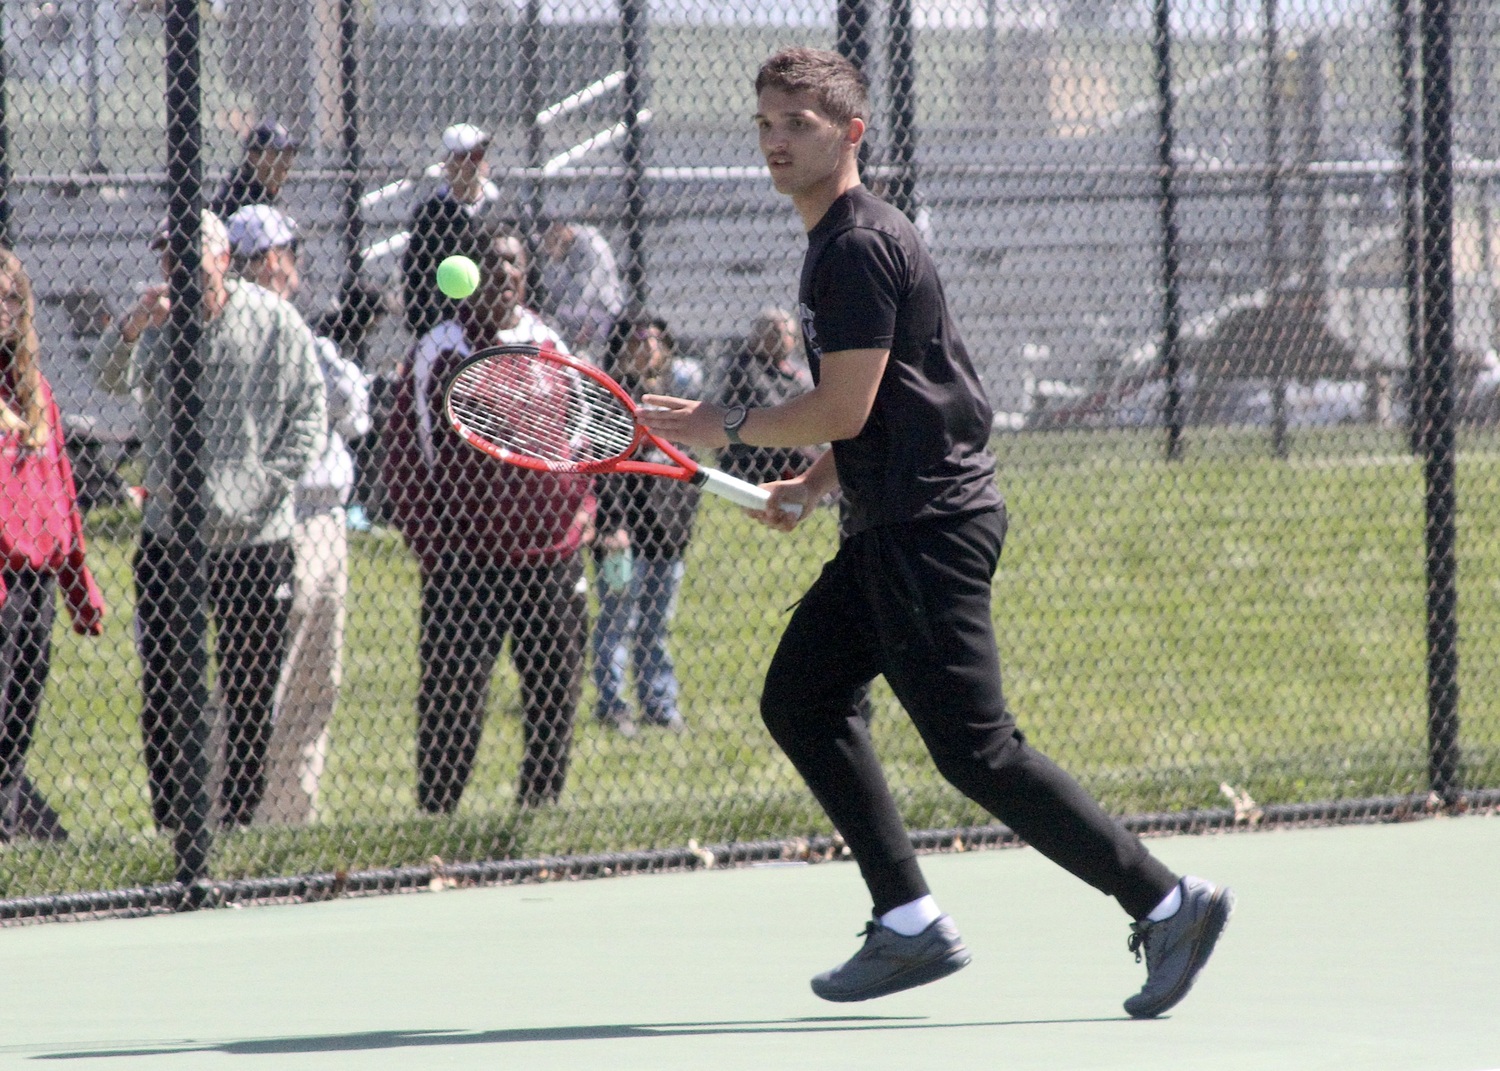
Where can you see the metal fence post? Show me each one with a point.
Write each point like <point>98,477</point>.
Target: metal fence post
<point>1167,212</point>
<point>4,138</point>
<point>901,46</point>
<point>1436,398</point>
<point>1309,139</point>
<point>853,30</point>
<point>91,84</point>
<point>184,642</point>
<point>1411,208</point>
<point>852,20</point>
<point>354,226</point>
<point>533,193</point>
<point>636,54</point>
<point>1275,243</point>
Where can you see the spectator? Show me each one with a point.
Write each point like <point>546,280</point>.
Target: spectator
<point>41,539</point>
<point>263,242</point>
<point>584,295</point>
<point>440,225</point>
<point>95,426</point>
<point>645,524</point>
<point>263,423</point>
<point>499,549</point>
<point>762,374</point>
<point>361,306</point>
<point>270,151</point>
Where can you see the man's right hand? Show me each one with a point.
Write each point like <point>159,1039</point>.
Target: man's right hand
<point>151,310</point>
<point>791,501</point>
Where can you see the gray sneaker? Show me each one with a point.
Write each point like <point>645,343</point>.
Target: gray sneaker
<point>1176,948</point>
<point>889,962</point>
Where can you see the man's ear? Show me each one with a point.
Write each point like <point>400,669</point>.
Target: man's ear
<point>856,131</point>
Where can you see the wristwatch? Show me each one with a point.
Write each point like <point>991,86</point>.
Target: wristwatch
<point>734,419</point>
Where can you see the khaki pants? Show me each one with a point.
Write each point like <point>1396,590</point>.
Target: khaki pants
<point>312,673</point>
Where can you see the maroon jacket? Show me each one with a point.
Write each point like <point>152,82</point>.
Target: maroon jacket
<point>447,498</point>
<point>40,527</point>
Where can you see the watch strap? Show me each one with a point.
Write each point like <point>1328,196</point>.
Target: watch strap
<point>734,417</point>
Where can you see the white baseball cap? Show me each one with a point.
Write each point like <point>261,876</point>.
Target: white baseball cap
<point>215,238</point>
<point>257,228</point>
<point>464,138</point>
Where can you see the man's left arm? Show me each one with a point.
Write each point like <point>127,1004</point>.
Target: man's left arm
<point>857,289</point>
<point>837,408</point>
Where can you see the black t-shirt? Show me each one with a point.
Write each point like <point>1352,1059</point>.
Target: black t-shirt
<point>868,283</point>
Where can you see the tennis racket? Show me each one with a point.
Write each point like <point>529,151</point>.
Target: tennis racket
<point>542,410</point>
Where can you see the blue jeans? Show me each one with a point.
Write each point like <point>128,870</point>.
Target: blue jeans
<point>633,626</point>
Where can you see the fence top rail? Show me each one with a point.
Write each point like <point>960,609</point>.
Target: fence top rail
<point>1462,168</point>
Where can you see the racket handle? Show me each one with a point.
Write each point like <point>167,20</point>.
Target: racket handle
<point>738,491</point>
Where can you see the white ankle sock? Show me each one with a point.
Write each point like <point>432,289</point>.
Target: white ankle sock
<point>1168,906</point>
<point>911,919</point>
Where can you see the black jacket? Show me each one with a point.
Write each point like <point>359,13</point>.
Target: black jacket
<point>439,228</point>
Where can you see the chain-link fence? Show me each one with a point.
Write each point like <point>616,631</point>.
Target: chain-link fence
<point>1227,269</point>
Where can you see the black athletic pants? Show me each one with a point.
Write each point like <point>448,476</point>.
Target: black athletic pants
<point>25,659</point>
<point>250,595</point>
<point>469,607</point>
<point>912,602</point>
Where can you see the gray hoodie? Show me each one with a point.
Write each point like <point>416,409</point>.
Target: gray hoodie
<point>264,417</point>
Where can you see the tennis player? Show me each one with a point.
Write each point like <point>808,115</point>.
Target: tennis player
<point>907,594</point>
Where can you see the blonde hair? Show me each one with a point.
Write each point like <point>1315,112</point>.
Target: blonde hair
<point>22,368</point>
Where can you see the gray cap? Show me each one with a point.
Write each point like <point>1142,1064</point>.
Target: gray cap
<point>257,228</point>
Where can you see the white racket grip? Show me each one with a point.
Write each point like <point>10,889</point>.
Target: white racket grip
<point>739,491</point>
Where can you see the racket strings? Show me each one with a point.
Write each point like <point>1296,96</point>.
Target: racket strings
<point>553,415</point>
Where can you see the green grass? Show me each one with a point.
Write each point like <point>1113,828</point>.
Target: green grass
<point>1164,628</point>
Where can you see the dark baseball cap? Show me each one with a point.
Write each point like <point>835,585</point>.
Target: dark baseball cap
<point>271,135</point>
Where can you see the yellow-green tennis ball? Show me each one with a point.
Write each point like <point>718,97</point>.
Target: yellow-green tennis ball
<point>458,277</point>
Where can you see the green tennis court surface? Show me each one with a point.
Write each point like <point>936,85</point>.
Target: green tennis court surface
<point>1357,947</point>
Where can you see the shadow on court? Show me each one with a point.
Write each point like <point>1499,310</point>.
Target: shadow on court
<point>415,1039</point>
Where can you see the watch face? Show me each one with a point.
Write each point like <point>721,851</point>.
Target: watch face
<point>735,417</point>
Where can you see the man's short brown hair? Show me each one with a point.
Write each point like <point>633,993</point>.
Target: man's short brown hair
<point>840,88</point>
